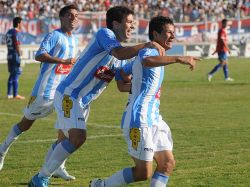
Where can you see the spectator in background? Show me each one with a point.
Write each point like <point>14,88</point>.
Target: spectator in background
<point>178,9</point>
<point>221,49</point>
<point>13,41</point>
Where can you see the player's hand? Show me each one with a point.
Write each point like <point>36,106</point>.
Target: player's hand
<point>157,46</point>
<point>70,61</point>
<point>188,60</point>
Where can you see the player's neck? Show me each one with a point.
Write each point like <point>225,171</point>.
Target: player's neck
<point>68,33</point>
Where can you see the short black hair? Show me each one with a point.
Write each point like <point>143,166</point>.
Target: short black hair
<point>65,9</point>
<point>117,13</point>
<point>157,23</point>
<point>16,21</point>
<point>224,21</point>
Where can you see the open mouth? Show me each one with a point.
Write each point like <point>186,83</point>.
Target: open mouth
<point>129,33</point>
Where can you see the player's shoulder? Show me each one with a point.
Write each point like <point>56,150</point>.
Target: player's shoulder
<point>57,32</point>
<point>53,35</point>
<point>148,52</point>
<point>10,31</point>
<point>105,32</point>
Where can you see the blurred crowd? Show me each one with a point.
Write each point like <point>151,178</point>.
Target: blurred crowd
<point>179,10</point>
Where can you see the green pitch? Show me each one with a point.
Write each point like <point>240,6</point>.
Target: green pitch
<point>210,125</point>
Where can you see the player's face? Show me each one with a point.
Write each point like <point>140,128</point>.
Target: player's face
<point>19,25</point>
<point>166,37</point>
<point>123,30</point>
<point>70,20</point>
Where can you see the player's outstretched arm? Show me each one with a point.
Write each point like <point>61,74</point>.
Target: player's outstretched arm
<point>128,52</point>
<point>45,57</point>
<point>155,61</point>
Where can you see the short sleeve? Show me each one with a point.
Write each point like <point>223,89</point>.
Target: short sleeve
<point>107,39</point>
<point>146,52</point>
<point>127,68</point>
<point>48,43</point>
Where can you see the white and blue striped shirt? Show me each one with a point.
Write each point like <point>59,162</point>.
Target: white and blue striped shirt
<point>143,109</point>
<point>94,69</point>
<point>56,44</point>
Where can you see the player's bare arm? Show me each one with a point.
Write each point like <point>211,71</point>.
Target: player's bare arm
<point>45,57</point>
<point>128,52</point>
<point>155,61</point>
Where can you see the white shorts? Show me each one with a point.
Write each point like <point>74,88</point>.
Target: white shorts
<point>144,142</point>
<point>70,113</point>
<point>38,107</point>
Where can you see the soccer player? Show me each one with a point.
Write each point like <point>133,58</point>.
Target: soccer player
<point>222,49</point>
<point>148,137</point>
<point>13,41</point>
<point>57,54</point>
<point>91,74</point>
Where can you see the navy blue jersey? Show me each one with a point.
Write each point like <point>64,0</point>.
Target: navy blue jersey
<point>13,39</point>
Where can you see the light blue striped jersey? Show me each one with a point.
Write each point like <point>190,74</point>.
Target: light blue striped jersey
<point>126,67</point>
<point>56,44</point>
<point>143,109</point>
<point>94,69</point>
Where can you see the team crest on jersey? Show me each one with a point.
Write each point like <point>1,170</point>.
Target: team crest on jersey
<point>104,73</point>
<point>32,99</point>
<point>63,69</point>
<point>158,94</point>
<point>135,136</point>
<point>67,106</point>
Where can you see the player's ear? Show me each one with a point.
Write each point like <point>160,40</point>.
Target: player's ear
<point>115,24</point>
<point>155,35</point>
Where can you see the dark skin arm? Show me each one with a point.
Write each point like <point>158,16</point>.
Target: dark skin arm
<point>45,57</point>
<point>128,52</point>
<point>125,84</point>
<point>155,61</point>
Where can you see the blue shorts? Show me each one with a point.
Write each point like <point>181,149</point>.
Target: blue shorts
<point>222,56</point>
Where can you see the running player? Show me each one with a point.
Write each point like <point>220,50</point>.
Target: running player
<point>93,71</point>
<point>56,54</point>
<point>222,49</point>
<point>148,137</point>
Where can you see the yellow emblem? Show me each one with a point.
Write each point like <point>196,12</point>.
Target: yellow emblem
<point>135,136</point>
<point>32,99</point>
<point>67,106</point>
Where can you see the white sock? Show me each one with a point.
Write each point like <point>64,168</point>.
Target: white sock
<point>159,180</point>
<point>61,152</point>
<point>120,178</point>
<point>13,135</point>
<point>51,149</point>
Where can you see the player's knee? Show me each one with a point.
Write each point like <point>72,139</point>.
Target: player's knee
<point>168,166</point>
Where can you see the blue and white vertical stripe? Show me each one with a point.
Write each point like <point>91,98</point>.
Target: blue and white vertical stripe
<point>56,44</point>
<point>143,109</point>
<point>82,82</point>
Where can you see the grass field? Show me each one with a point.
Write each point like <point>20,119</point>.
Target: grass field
<point>210,125</point>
